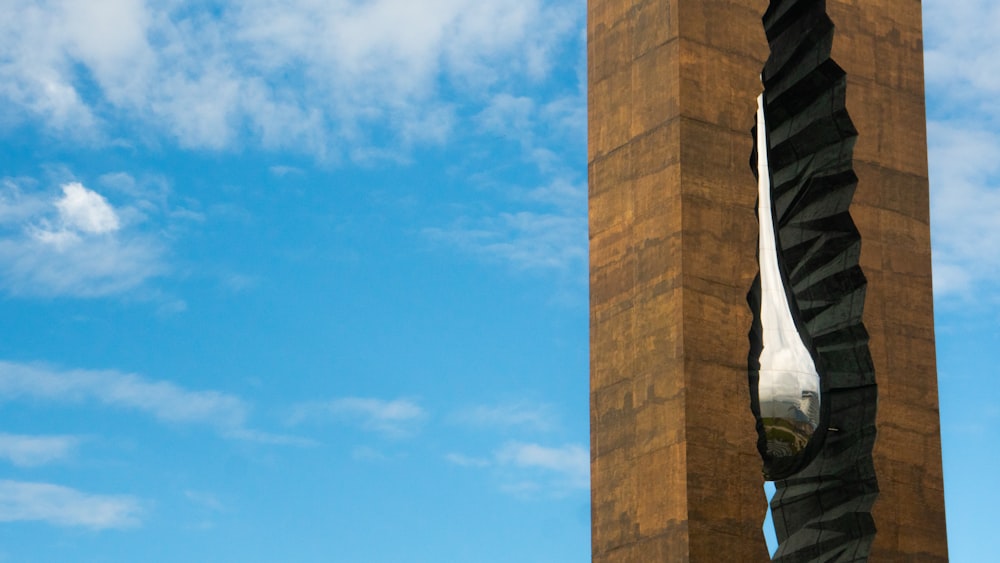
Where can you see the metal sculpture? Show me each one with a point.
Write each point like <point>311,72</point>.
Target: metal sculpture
<point>812,381</point>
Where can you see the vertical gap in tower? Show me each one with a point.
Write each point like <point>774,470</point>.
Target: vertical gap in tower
<point>770,535</point>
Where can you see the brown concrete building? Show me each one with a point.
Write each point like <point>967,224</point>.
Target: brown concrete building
<point>672,87</point>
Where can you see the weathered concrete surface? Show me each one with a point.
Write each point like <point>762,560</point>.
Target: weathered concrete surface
<point>672,88</point>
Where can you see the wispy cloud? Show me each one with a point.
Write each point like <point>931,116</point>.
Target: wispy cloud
<point>368,453</point>
<point>569,464</point>
<point>313,76</point>
<point>205,500</point>
<point>541,224</point>
<point>525,240</point>
<point>542,227</point>
<point>519,415</point>
<point>530,469</point>
<point>165,401</point>
<point>959,66</point>
<point>269,438</point>
<point>394,418</point>
<point>463,460</point>
<point>965,175</point>
<point>545,231</point>
<point>62,506</point>
<point>30,451</point>
<point>281,171</point>
<point>540,126</point>
<point>74,243</point>
<point>963,83</point>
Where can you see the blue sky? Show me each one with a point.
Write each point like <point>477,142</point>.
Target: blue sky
<point>306,281</point>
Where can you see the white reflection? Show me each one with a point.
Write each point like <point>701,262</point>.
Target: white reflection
<point>788,389</point>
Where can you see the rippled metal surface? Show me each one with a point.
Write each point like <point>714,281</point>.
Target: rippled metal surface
<point>824,492</point>
<point>789,385</point>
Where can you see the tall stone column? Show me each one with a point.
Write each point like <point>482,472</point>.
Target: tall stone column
<point>672,95</point>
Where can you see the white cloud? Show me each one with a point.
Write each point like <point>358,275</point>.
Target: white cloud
<point>368,453</point>
<point>86,211</point>
<point>547,134</point>
<point>162,400</point>
<point>963,83</point>
<point>538,125</point>
<point>63,506</point>
<point>299,74</point>
<point>48,263</point>
<point>569,464</point>
<point>519,415</point>
<point>165,401</point>
<point>961,67</point>
<point>16,208</point>
<point>965,196</point>
<point>30,451</point>
<point>526,240</point>
<point>393,418</point>
<point>282,170</point>
<point>510,116</point>
<point>77,244</point>
<point>269,438</point>
<point>463,460</point>
<point>529,469</point>
<point>570,198</point>
<point>543,227</point>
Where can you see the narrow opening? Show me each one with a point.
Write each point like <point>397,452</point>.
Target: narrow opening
<point>770,536</point>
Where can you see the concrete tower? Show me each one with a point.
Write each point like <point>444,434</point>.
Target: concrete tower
<point>676,468</point>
